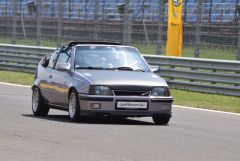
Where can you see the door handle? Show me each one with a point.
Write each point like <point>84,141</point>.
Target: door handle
<point>50,76</point>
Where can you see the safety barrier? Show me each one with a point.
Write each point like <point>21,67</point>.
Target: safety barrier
<point>202,75</point>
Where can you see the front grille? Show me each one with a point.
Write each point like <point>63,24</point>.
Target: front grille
<point>131,93</point>
<point>130,88</point>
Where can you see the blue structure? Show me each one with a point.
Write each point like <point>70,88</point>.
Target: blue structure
<point>213,10</point>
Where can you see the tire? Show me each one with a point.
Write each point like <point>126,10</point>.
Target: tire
<point>39,108</point>
<point>161,119</point>
<point>74,107</point>
<point>119,117</point>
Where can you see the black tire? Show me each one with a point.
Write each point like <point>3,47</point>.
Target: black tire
<point>39,108</point>
<point>74,110</point>
<point>119,117</point>
<point>161,119</point>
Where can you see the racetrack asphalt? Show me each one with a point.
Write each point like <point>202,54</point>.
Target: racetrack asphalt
<point>192,135</point>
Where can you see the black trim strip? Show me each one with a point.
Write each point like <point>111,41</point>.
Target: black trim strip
<point>131,88</point>
<point>86,98</point>
<point>127,113</point>
<point>161,101</point>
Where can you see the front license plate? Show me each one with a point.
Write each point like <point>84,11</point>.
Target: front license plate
<point>131,105</point>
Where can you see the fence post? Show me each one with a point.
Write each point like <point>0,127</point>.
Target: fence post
<point>95,27</point>
<point>238,44</point>
<point>185,12</point>
<point>210,12</point>
<point>14,26</point>
<point>22,21</point>
<point>6,8</point>
<point>160,27</point>
<point>129,38</point>
<point>39,22</point>
<point>198,29</point>
<point>59,26</point>
<point>6,19</point>
<point>126,23</point>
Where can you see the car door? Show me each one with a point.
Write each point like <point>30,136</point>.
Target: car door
<point>45,85</point>
<point>60,81</point>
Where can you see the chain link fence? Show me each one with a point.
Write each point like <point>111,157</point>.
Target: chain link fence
<point>211,28</point>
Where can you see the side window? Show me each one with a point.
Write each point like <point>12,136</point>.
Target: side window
<point>63,58</point>
<point>53,59</point>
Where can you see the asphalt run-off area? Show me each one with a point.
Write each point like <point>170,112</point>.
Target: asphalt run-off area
<point>191,135</point>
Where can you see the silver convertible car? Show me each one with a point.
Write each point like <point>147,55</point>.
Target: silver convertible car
<point>100,79</point>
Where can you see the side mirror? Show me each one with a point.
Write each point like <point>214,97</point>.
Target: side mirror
<point>155,68</point>
<point>63,67</point>
<point>45,61</point>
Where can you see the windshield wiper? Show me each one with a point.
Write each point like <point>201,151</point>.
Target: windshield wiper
<point>139,70</point>
<point>103,68</point>
<point>99,68</point>
<point>123,68</point>
<point>129,68</point>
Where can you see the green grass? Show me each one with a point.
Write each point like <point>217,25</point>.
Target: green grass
<point>209,53</point>
<point>181,97</point>
<point>206,101</point>
<point>16,77</point>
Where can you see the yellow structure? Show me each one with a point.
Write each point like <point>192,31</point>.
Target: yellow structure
<point>174,36</point>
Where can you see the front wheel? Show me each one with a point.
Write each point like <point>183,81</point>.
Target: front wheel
<point>39,108</point>
<point>161,119</point>
<point>74,107</point>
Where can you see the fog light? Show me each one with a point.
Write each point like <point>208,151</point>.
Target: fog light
<point>95,105</point>
<point>166,107</point>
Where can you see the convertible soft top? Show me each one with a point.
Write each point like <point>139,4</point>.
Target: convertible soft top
<point>73,43</point>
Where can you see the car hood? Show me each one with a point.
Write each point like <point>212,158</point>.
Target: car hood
<point>132,78</point>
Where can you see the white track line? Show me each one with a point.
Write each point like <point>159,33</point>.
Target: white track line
<point>206,110</point>
<point>17,85</point>
<point>185,107</point>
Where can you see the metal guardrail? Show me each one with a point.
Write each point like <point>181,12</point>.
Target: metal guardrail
<point>202,75</point>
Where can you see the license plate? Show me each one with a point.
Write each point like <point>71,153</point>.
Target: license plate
<point>132,105</point>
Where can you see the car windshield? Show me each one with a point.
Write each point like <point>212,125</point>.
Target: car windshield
<point>109,57</point>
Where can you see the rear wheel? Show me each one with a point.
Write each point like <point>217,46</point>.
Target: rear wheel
<point>73,106</point>
<point>161,119</point>
<point>39,108</point>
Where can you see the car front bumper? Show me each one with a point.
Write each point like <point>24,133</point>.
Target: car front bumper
<point>155,105</point>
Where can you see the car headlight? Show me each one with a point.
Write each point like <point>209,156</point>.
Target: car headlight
<point>100,90</point>
<point>160,91</point>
